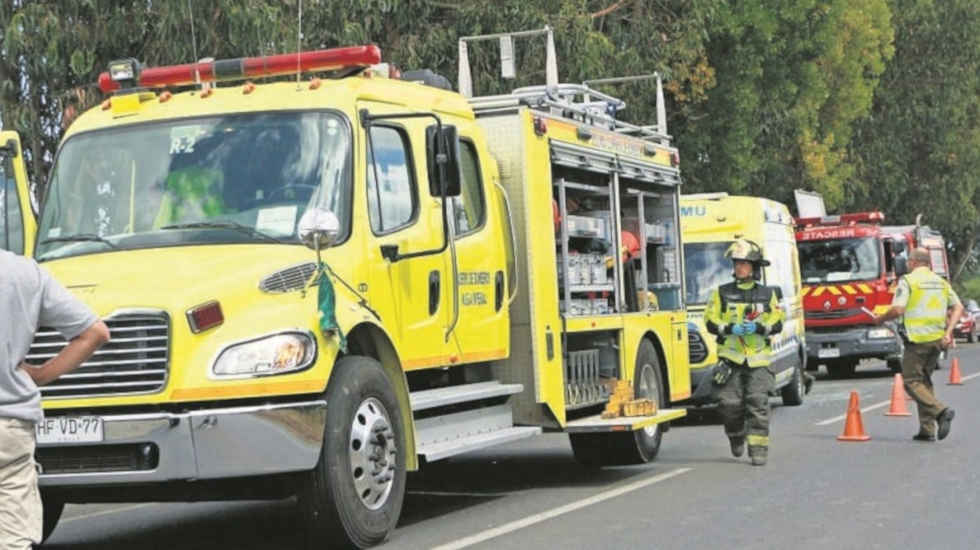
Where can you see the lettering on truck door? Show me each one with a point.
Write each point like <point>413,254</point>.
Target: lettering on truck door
<point>481,332</point>
<point>410,294</point>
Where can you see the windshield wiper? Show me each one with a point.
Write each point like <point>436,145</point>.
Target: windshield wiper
<point>80,237</point>
<point>225,225</point>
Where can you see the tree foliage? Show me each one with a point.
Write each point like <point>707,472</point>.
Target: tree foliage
<point>874,103</point>
<point>919,150</point>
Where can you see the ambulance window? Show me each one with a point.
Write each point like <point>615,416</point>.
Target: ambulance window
<point>11,221</point>
<point>392,204</point>
<point>469,207</point>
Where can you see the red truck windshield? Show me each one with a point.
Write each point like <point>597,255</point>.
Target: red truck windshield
<point>839,260</point>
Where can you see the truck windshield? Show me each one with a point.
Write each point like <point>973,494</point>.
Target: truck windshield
<point>839,260</point>
<point>234,179</point>
<point>705,269</point>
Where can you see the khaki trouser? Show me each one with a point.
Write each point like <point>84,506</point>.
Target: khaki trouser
<point>20,501</point>
<point>743,403</point>
<point>918,362</point>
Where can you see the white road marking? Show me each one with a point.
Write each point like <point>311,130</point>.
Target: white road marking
<point>878,405</point>
<point>107,512</point>
<point>570,507</point>
<point>974,375</point>
<point>843,416</point>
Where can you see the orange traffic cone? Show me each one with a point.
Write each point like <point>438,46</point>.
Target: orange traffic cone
<point>954,374</point>
<point>853,427</point>
<point>898,407</point>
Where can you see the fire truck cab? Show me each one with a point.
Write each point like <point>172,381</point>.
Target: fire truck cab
<point>846,277</point>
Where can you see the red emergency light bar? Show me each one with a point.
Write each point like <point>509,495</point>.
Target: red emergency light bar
<point>251,67</point>
<point>842,219</point>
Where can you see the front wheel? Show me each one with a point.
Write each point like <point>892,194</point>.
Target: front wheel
<point>354,494</point>
<point>895,365</point>
<point>52,507</point>
<point>842,369</point>
<point>793,392</point>
<point>640,446</point>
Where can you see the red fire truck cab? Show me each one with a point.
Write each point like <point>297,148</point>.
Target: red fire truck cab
<point>848,266</point>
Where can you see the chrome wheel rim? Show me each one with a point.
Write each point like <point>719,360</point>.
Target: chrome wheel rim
<point>647,388</point>
<point>373,453</point>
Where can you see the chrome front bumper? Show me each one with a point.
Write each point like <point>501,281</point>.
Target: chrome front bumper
<point>208,444</point>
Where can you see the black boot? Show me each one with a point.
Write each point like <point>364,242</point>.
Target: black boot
<point>738,446</point>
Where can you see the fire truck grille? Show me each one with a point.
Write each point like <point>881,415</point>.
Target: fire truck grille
<point>696,349</point>
<point>834,314</point>
<point>136,359</point>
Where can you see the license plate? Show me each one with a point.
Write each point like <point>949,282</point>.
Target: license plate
<point>828,352</point>
<point>70,429</point>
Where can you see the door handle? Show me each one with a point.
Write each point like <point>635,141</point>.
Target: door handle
<point>498,289</point>
<point>434,291</point>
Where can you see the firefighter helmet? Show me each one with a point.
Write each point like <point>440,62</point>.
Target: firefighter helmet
<point>744,249</point>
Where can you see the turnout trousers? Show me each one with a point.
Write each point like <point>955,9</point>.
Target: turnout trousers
<point>918,363</point>
<point>743,403</point>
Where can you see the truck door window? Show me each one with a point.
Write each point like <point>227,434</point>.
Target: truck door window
<point>11,220</point>
<point>469,206</point>
<point>392,200</point>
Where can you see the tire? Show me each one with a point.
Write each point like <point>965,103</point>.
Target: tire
<point>971,337</point>
<point>793,392</point>
<point>52,507</point>
<point>895,365</point>
<point>637,447</point>
<point>842,369</point>
<point>345,504</point>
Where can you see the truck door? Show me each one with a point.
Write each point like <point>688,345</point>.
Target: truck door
<point>17,224</point>
<point>481,331</point>
<point>410,294</point>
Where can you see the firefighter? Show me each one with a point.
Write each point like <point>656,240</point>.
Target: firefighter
<point>743,314</point>
<point>924,299</point>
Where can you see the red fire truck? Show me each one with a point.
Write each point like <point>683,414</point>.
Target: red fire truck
<point>849,265</point>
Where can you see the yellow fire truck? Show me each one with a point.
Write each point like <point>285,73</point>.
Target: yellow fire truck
<point>471,292</point>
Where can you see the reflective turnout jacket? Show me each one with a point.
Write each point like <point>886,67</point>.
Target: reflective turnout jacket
<point>925,297</point>
<point>737,302</point>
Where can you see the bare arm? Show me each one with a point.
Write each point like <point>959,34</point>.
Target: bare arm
<point>954,317</point>
<point>893,312</point>
<point>74,354</point>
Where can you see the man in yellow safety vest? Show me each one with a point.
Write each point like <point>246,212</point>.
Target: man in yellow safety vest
<point>924,299</point>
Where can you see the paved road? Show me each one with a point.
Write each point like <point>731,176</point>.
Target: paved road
<point>815,493</point>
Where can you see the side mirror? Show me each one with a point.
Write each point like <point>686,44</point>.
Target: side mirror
<point>442,154</point>
<point>318,228</point>
<point>901,266</point>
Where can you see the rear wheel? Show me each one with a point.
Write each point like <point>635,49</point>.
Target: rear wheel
<point>52,508</point>
<point>842,369</point>
<point>640,446</point>
<point>354,495</point>
<point>793,392</point>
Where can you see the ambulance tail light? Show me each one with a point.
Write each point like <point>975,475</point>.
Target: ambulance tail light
<point>354,57</point>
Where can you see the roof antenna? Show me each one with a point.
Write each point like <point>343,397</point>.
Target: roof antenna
<point>299,44</point>
<point>190,14</point>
